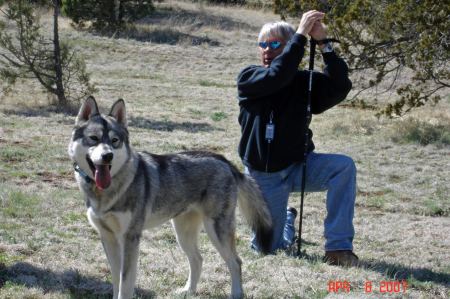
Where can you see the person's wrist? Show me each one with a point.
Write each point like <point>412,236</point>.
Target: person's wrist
<point>326,47</point>
<point>300,38</point>
<point>321,42</point>
<point>302,32</point>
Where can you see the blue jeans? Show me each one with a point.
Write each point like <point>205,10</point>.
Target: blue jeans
<point>333,173</point>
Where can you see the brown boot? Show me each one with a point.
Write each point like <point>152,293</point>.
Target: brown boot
<point>345,258</point>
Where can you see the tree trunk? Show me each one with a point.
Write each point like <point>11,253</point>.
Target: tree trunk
<point>116,11</point>
<point>62,100</point>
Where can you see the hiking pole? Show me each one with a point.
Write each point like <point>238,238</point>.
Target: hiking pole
<point>312,50</point>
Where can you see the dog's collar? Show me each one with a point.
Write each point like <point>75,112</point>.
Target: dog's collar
<point>83,174</point>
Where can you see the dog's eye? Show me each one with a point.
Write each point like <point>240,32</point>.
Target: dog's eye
<point>93,138</point>
<point>115,140</point>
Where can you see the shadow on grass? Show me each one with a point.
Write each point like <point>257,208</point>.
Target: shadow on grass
<point>169,126</point>
<point>44,111</point>
<point>173,26</point>
<point>168,36</point>
<point>28,112</point>
<point>48,112</point>
<point>137,122</point>
<point>394,271</point>
<point>70,281</point>
<point>195,20</point>
<point>400,272</point>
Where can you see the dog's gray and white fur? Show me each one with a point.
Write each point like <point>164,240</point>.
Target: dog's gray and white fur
<point>128,191</point>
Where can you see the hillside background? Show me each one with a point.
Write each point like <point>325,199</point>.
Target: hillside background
<point>176,72</point>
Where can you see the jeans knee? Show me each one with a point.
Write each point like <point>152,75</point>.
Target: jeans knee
<point>349,165</point>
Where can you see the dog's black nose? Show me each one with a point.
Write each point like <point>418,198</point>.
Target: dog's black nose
<point>107,158</point>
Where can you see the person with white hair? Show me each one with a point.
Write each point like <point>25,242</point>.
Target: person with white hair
<point>273,102</point>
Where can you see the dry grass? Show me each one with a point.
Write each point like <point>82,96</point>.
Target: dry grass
<point>176,70</point>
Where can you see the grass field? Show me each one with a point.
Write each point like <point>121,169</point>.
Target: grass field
<point>176,71</point>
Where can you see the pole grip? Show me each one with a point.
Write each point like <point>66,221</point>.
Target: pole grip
<point>312,53</point>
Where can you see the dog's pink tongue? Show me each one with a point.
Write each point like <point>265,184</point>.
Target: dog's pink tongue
<point>102,176</point>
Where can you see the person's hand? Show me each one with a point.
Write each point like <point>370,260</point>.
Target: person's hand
<point>311,23</point>
<point>318,31</point>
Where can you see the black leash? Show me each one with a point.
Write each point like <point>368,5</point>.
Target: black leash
<point>312,52</point>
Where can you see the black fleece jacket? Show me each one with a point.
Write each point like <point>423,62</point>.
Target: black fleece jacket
<point>283,89</point>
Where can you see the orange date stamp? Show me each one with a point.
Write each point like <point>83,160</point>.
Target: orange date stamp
<point>384,286</point>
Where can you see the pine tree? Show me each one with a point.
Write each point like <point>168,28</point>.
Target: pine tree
<point>392,40</point>
<point>25,53</point>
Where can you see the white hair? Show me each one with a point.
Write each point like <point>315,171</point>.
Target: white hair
<point>280,29</point>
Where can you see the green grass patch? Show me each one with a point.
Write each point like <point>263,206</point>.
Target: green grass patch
<point>196,114</point>
<point>8,259</point>
<point>13,154</point>
<point>420,285</point>
<point>378,202</point>
<point>19,174</point>
<point>436,208</point>
<point>421,132</point>
<point>218,116</point>
<point>166,237</point>
<point>8,231</point>
<point>19,205</point>
<point>12,289</point>
<point>74,217</point>
<point>375,199</point>
<point>58,235</point>
<point>76,295</point>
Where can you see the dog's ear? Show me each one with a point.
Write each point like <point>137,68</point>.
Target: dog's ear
<point>119,113</point>
<point>87,110</point>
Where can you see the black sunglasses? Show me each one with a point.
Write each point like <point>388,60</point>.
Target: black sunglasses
<point>272,45</point>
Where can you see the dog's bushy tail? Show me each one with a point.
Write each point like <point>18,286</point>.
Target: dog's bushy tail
<point>256,212</point>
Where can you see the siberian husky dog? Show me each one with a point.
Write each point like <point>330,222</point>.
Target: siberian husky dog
<point>128,191</point>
